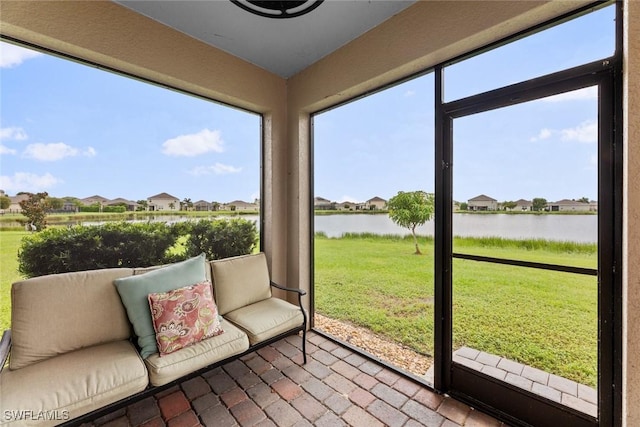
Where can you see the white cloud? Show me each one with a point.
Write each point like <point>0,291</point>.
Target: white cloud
<point>55,151</point>
<point>49,152</point>
<point>588,93</point>
<point>12,55</point>
<point>24,181</point>
<point>586,131</point>
<point>409,93</point>
<point>13,133</point>
<point>6,150</point>
<point>194,144</point>
<point>543,134</point>
<point>217,169</point>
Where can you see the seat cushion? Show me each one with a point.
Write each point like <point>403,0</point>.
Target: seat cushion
<point>164,369</point>
<point>266,319</point>
<point>240,281</point>
<point>135,289</point>
<point>59,313</point>
<point>70,385</point>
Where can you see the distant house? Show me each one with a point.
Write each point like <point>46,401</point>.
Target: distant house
<point>482,203</point>
<point>88,201</point>
<point>321,203</point>
<point>239,205</point>
<point>566,205</point>
<point>163,202</point>
<point>129,204</point>
<point>15,207</point>
<point>203,205</point>
<point>376,203</point>
<point>346,206</point>
<point>523,205</point>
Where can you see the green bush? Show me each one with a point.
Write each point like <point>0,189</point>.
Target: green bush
<point>220,238</point>
<point>79,248</point>
<point>118,209</point>
<point>122,244</point>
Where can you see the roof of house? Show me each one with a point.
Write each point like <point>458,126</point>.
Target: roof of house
<point>240,203</point>
<point>321,199</point>
<point>567,202</point>
<point>377,199</point>
<point>163,196</point>
<point>482,198</point>
<point>121,200</point>
<point>523,202</point>
<point>202,202</point>
<point>94,199</point>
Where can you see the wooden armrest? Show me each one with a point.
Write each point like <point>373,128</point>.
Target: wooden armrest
<point>5,346</point>
<point>298,291</point>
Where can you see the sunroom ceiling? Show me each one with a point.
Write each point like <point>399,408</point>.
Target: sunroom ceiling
<point>282,46</point>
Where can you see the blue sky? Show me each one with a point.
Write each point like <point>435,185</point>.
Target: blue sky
<point>383,144</point>
<point>72,130</point>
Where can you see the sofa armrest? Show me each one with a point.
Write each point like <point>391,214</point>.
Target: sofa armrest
<point>298,291</point>
<point>5,346</point>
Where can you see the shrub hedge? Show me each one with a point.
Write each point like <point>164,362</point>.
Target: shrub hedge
<point>123,244</point>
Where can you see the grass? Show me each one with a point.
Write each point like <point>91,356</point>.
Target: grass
<point>9,245</point>
<point>540,318</point>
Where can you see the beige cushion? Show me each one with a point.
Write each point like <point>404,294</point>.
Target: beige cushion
<point>59,313</point>
<point>266,319</point>
<point>73,384</point>
<point>164,369</point>
<point>240,281</point>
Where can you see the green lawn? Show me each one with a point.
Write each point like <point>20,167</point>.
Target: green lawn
<point>9,244</point>
<point>541,318</point>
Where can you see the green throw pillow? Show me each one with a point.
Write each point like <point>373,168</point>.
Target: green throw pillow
<point>133,292</point>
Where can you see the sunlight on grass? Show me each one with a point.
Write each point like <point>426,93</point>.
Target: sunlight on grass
<point>540,318</point>
<point>9,244</point>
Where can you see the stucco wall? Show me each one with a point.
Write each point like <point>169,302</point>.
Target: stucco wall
<point>631,271</point>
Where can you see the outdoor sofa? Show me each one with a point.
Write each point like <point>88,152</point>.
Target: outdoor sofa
<point>80,344</point>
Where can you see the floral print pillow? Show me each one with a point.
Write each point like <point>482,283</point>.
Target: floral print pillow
<point>184,316</point>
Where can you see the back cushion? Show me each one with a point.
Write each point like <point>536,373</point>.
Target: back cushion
<point>240,281</point>
<point>59,313</point>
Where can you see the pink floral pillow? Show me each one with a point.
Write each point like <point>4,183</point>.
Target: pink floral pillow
<point>184,316</point>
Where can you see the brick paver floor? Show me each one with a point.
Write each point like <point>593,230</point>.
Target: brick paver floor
<point>271,387</point>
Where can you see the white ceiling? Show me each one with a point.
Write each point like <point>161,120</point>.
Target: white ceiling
<point>282,46</point>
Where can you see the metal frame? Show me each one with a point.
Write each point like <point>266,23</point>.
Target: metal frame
<point>506,401</point>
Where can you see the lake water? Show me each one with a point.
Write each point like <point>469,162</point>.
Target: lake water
<point>575,228</point>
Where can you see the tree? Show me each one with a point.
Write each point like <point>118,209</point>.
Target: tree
<point>539,204</point>
<point>583,199</point>
<point>55,203</point>
<point>5,202</point>
<point>410,210</point>
<point>35,209</point>
<point>186,204</point>
<point>509,205</point>
<point>142,205</point>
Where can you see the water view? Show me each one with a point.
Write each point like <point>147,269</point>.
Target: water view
<point>575,228</point>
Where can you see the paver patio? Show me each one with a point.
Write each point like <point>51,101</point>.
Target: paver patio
<point>562,390</point>
<point>271,387</point>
